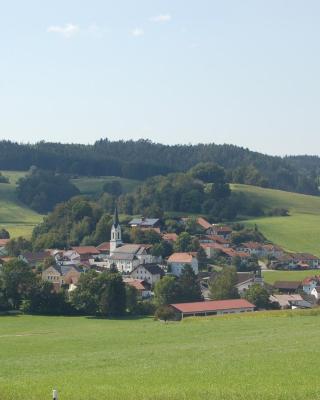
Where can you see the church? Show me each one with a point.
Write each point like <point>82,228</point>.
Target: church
<point>126,257</point>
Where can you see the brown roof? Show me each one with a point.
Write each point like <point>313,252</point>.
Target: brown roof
<point>85,250</point>
<point>36,257</point>
<point>212,246</point>
<point>218,239</point>
<point>244,276</point>
<point>287,285</point>
<point>219,305</point>
<point>222,229</point>
<point>203,223</point>
<point>139,284</point>
<point>170,237</point>
<point>3,242</point>
<point>180,258</point>
<point>105,246</point>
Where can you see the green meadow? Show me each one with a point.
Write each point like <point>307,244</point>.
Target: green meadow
<point>273,276</point>
<point>265,356</point>
<point>18,219</point>
<point>300,231</point>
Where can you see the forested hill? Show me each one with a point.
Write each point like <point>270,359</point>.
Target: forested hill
<point>143,158</point>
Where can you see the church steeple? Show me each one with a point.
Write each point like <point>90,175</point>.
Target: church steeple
<point>116,217</point>
<point>116,239</point>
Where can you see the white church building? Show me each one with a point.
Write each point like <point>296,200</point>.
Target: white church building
<point>126,257</point>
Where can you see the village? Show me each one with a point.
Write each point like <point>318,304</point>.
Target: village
<point>142,269</point>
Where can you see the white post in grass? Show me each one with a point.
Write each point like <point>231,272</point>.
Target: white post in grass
<point>55,394</point>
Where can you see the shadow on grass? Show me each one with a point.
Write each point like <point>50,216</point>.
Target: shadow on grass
<point>123,318</point>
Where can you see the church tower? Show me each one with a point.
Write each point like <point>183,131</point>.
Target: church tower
<point>116,239</point>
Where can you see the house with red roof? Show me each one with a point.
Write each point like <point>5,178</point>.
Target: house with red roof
<point>216,307</point>
<point>177,261</point>
<point>143,288</point>
<point>308,284</point>
<point>204,225</point>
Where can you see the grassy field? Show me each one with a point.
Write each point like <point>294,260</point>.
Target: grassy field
<point>91,185</point>
<point>298,232</point>
<point>272,276</point>
<point>237,357</point>
<point>14,216</point>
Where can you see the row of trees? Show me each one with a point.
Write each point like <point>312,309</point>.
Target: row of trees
<point>298,174</point>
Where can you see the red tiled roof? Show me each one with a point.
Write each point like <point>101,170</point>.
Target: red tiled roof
<point>180,258</point>
<point>219,305</point>
<point>85,250</point>
<point>222,228</point>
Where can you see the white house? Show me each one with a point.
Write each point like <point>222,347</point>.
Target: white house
<point>129,256</point>
<point>151,273</point>
<point>177,261</point>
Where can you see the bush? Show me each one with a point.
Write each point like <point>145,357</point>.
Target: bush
<point>145,307</point>
<point>165,313</point>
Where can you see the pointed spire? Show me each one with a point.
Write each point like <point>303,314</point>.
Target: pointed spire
<point>115,217</point>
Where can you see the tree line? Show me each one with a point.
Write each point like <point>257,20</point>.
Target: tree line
<point>142,159</point>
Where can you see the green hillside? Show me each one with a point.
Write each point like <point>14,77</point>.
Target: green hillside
<point>247,357</point>
<point>298,232</point>
<point>18,219</point>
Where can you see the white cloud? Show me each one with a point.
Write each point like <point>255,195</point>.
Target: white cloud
<point>161,18</point>
<point>137,32</point>
<point>68,30</point>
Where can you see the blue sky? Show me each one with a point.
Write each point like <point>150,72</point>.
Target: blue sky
<point>228,71</point>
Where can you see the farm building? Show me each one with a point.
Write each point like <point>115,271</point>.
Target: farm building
<point>217,307</point>
<point>287,286</point>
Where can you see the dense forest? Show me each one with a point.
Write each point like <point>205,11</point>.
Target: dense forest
<point>143,159</point>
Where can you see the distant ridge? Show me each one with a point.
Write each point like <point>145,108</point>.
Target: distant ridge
<point>142,159</point>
